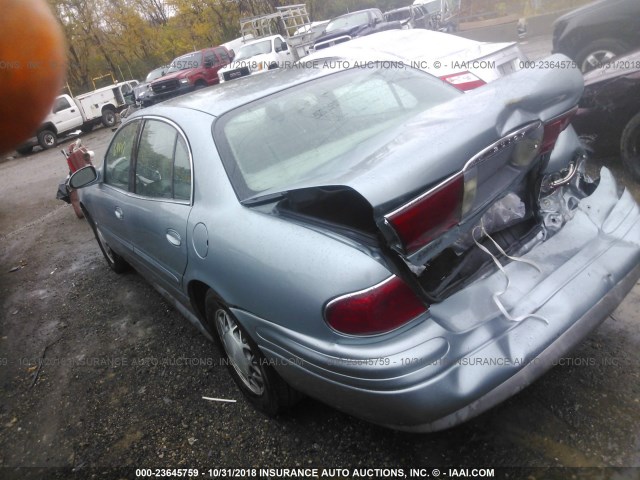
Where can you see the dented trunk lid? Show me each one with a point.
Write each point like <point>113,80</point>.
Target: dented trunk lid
<point>475,136</point>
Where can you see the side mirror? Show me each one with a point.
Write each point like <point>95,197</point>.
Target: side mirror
<point>208,64</point>
<point>232,54</point>
<point>83,177</point>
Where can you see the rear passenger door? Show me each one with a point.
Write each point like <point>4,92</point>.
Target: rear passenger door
<point>161,202</point>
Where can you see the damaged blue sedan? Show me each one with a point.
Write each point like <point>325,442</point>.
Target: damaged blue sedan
<point>372,237</point>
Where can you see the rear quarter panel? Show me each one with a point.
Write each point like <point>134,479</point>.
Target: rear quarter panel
<point>270,267</point>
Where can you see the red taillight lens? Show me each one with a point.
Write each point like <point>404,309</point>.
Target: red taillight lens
<point>463,81</point>
<point>378,309</point>
<point>428,216</point>
<point>554,128</point>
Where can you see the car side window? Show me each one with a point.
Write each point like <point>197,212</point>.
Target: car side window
<point>279,45</point>
<point>117,162</point>
<point>163,167</point>
<point>154,161</point>
<point>222,53</point>
<point>61,104</point>
<point>211,59</point>
<point>181,171</point>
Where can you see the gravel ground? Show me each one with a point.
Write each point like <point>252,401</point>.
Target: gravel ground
<point>98,371</point>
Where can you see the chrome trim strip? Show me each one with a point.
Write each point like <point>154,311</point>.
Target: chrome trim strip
<point>151,199</point>
<point>486,152</point>
<point>500,145</point>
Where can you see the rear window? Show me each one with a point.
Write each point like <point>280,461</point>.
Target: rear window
<point>321,126</point>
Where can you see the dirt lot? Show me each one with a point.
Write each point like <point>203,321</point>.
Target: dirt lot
<point>98,371</point>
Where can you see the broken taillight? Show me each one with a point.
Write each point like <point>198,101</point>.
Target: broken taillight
<point>378,309</point>
<point>553,128</point>
<point>463,80</point>
<point>431,214</point>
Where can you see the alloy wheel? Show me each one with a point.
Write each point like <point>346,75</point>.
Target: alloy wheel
<point>240,353</point>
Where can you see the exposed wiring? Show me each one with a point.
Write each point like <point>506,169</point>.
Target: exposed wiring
<point>495,296</point>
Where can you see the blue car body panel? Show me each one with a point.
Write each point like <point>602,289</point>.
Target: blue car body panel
<point>479,345</point>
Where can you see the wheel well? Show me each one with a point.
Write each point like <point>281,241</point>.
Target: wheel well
<point>201,82</point>
<point>109,107</point>
<point>48,126</point>
<point>197,293</point>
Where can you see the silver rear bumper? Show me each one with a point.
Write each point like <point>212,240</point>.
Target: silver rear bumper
<point>466,356</point>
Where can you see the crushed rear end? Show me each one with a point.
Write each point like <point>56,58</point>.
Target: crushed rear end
<point>503,255</point>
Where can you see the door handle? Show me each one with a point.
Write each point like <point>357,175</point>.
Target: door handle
<point>119,213</point>
<point>73,110</point>
<point>174,238</point>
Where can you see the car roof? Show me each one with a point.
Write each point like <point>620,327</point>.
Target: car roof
<point>358,11</point>
<point>261,39</point>
<point>413,44</point>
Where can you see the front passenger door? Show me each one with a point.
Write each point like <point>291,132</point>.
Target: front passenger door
<point>66,116</point>
<point>283,52</point>
<point>111,215</point>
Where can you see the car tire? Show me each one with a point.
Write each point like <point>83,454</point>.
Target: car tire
<point>108,118</point>
<point>47,139</point>
<point>249,368</point>
<point>24,150</point>
<point>596,53</point>
<point>115,261</point>
<point>630,147</point>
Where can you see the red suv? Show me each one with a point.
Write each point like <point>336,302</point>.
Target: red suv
<point>190,72</point>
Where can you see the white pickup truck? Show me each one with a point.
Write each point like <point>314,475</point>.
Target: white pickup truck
<point>257,56</point>
<point>82,112</point>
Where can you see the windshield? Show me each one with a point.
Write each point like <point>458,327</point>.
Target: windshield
<point>398,15</point>
<point>320,127</point>
<point>348,21</point>
<point>192,60</point>
<point>432,7</point>
<point>253,49</point>
<point>153,74</point>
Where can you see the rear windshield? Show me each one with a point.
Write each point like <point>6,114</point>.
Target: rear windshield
<point>320,127</point>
